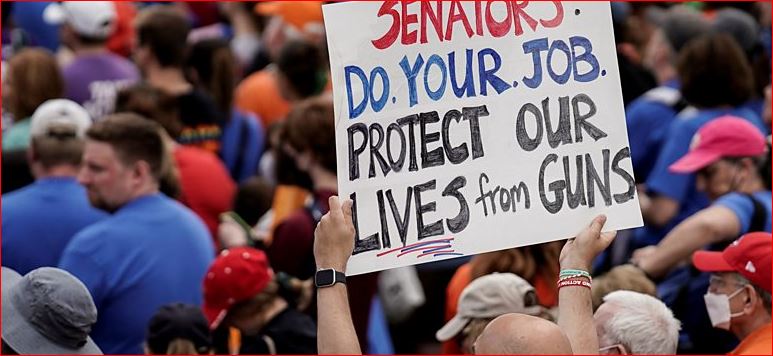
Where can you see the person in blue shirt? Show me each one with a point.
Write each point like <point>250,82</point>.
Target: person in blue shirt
<point>41,218</point>
<point>151,252</point>
<point>716,81</point>
<point>649,116</point>
<point>731,160</point>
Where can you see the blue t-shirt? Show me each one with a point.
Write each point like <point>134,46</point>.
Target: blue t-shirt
<point>681,187</point>
<point>648,119</point>
<point>743,208</point>
<point>40,219</point>
<point>153,251</point>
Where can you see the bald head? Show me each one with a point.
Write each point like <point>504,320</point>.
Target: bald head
<point>522,334</point>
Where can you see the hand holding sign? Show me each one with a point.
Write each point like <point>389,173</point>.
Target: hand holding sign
<point>579,252</point>
<point>334,236</point>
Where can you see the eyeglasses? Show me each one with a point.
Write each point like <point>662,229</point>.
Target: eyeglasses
<point>719,282</point>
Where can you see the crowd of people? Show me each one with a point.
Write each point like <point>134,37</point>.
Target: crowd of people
<point>169,185</point>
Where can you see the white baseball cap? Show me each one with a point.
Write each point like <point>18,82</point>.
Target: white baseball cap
<point>489,297</point>
<point>93,19</point>
<point>60,112</point>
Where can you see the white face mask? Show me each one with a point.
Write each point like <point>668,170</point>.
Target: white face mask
<point>718,306</point>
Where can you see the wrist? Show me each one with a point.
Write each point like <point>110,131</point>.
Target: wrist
<point>338,266</point>
<point>575,264</point>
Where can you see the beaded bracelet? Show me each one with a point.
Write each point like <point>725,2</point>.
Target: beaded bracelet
<point>574,271</point>
<point>573,276</point>
<point>573,283</point>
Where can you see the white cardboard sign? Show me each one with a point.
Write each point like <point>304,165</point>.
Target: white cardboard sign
<point>465,127</point>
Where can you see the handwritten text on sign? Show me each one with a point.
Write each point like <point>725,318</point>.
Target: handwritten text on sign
<point>465,127</point>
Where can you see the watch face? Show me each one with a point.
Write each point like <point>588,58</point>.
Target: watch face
<point>324,277</point>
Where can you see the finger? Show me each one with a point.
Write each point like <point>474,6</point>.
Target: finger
<point>347,211</point>
<point>597,225</point>
<point>608,237</point>
<point>335,208</point>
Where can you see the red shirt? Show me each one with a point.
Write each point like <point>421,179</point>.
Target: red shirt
<point>207,189</point>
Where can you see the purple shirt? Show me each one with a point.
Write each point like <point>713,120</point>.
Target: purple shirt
<point>94,80</point>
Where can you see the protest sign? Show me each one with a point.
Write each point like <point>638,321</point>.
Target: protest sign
<point>464,127</point>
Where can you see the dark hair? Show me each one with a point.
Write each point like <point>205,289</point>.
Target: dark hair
<point>35,79</point>
<point>152,103</point>
<point>714,72</point>
<point>133,138</point>
<point>165,32</point>
<point>310,126</point>
<point>301,63</point>
<point>215,71</point>
<point>253,199</point>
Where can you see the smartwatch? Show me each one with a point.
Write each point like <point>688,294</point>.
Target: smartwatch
<point>328,277</point>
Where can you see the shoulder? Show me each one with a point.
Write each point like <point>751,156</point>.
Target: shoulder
<point>97,236</point>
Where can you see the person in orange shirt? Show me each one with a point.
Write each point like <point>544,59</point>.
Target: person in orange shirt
<point>265,92</point>
<point>739,297</point>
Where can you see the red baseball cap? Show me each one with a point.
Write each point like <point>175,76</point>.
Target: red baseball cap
<point>236,275</point>
<point>728,136</point>
<point>748,256</point>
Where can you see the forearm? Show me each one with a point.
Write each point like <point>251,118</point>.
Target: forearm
<point>575,316</point>
<point>678,245</point>
<point>336,334</point>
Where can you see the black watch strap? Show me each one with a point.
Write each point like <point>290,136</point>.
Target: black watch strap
<point>328,277</point>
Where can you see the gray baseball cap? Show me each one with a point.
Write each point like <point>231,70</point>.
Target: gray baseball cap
<point>489,297</point>
<point>48,311</point>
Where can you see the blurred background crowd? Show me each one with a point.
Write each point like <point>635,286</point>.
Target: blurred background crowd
<point>172,160</point>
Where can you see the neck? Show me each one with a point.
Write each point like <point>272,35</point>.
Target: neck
<point>665,74</point>
<point>169,80</point>
<point>323,179</point>
<point>60,171</point>
<point>751,325</point>
<point>145,190</point>
<point>88,50</point>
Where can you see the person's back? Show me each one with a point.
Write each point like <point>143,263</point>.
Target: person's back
<point>259,94</point>
<point>152,252</point>
<point>50,211</point>
<point>93,81</point>
<point>207,188</point>
<point>47,213</point>
<point>95,74</point>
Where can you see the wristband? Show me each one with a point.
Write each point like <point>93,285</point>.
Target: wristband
<point>574,276</point>
<point>574,283</point>
<point>573,272</point>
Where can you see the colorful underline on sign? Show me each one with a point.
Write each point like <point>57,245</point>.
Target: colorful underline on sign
<point>426,250</point>
<point>420,246</point>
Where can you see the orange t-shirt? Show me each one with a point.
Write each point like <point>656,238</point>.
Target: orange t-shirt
<point>546,293</point>
<point>760,342</point>
<point>259,94</point>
